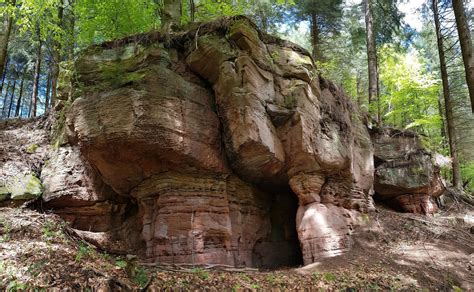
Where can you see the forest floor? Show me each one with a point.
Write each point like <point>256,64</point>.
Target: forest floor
<point>392,251</point>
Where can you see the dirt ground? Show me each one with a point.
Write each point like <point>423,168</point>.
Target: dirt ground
<point>392,251</point>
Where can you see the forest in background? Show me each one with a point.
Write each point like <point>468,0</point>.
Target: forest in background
<point>416,79</point>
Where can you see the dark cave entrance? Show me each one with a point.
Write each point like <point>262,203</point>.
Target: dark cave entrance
<point>282,247</point>
<point>391,204</point>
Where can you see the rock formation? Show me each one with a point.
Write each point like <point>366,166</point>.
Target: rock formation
<point>406,175</point>
<point>217,145</point>
<point>214,137</point>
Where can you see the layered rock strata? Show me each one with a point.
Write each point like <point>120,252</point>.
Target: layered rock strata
<point>219,145</point>
<point>406,175</point>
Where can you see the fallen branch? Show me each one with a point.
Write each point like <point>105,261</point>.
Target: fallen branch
<point>189,268</point>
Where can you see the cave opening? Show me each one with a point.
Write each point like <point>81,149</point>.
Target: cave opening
<point>391,203</point>
<point>281,248</point>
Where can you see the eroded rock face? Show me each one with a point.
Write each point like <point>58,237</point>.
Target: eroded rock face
<point>207,144</point>
<point>76,192</point>
<point>405,173</point>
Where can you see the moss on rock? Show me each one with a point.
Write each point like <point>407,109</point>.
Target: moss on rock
<point>24,187</point>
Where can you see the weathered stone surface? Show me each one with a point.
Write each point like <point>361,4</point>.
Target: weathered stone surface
<point>215,137</point>
<point>69,181</point>
<point>405,173</point>
<point>324,230</point>
<point>24,187</point>
<point>417,203</point>
<point>75,191</point>
<point>202,218</point>
<point>161,121</point>
<point>282,124</point>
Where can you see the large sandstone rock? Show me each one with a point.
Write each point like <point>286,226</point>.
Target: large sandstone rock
<point>406,174</point>
<point>224,146</point>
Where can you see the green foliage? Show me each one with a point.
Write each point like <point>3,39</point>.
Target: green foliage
<point>83,251</point>
<point>16,285</point>
<point>115,75</point>
<point>203,274</point>
<point>121,264</point>
<point>329,277</point>
<point>410,95</point>
<point>6,229</point>
<point>52,230</point>
<point>467,173</point>
<point>101,20</point>
<point>31,149</point>
<point>140,277</point>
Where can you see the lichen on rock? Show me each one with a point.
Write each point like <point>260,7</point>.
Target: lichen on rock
<point>24,187</point>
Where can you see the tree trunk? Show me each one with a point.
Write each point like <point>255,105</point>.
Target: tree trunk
<point>443,126</point>
<point>4,106</point>
<point>457,181</point>
<point>34,93</point>
<point>315,37</point>
<point>18,103</point>
<point>358,88</point>
<point>263,17</point>
<point>56,57</point>
<point>11,98</point>
<point>48,90</point>
<point>3,77</point>
<point>192,8</point>
<point>371,57</point>
<point>170,15</point>
<point>466,46</point>
<point>4,38</point>
<point>72,24</point>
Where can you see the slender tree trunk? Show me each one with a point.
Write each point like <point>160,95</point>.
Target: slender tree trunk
<point>18,103</point>
<point>315,37</point>
<point>34,93</point>
<point>170,15</point>
<point>4,106</point>
<point>56,57</point>
<point>72,24</point>
<point>263,17</point>
<point>466,46</point>
<point>48,90</point>
<point>192,8</point>
<point>11,98</point>
<point>358,88</point>
<point>3,77</point>
<point>371,57</point>
<point>443,126</point>
<point>4,38</point>
<point>457,181</point>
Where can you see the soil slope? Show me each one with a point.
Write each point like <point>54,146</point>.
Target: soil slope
<point>392,251</point>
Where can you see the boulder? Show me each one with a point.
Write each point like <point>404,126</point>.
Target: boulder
<point>406,174</point>
<point>24,187</point>
<point>324,230</point>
